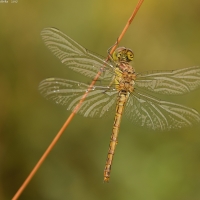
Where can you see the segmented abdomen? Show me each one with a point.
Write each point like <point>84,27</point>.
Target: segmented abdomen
<point>121,101</point>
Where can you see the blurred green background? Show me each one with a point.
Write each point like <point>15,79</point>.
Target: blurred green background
<point>147,164</point>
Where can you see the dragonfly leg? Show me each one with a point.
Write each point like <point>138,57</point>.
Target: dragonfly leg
<point>108,51</point>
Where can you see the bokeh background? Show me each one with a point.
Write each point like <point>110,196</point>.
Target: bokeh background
<point>147,165</point>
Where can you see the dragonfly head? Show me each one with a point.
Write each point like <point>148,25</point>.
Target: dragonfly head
<point>123,54</point>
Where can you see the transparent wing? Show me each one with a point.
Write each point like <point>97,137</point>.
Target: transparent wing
<point>170,82</point>
<point>159,115</point>
<point>68,93</point>
<point>75,56</point>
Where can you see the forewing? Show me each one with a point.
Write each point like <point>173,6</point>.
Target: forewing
<point>75,56</point>
<point>170,82</point>
<point>159,115</point>
<point>68,93</point>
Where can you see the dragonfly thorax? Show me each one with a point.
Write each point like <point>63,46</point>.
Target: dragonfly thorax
<point>123,54</point>
<point>125,77</point>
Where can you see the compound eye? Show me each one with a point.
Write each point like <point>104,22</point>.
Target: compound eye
<point>130,55</point>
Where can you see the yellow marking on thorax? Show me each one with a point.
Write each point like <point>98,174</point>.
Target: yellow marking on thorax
<point>124,77</point>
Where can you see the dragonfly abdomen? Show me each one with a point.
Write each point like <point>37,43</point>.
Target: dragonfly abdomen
<point>121,101</point>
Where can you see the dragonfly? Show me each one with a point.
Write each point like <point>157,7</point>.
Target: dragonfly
<point>119,89</point>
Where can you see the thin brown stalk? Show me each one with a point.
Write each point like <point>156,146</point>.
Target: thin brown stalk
<point>50,147</point>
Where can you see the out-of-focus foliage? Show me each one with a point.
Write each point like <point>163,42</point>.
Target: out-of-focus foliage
<point>147,165</point>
